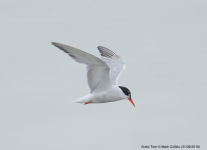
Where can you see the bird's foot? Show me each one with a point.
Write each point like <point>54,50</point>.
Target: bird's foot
<point>86,103</point>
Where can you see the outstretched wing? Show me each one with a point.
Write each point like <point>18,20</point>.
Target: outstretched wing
<point>97,69</point>
<point>114,61</point>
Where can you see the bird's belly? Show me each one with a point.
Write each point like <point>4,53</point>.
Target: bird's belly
<point>104,97</point>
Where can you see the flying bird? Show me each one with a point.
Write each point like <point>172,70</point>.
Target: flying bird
<point>102,75</point>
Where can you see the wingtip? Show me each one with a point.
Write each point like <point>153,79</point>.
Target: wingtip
<point>56,44</point>
<point>53,43</point>
<point>103,47</point>
<point>100,46</point>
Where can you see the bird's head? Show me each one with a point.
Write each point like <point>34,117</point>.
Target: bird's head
<point>127,92</point>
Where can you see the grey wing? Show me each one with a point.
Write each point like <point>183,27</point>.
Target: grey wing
<point>114,61</point>
<point>97,69</point>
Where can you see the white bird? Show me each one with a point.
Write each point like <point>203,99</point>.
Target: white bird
<point>102,74</point>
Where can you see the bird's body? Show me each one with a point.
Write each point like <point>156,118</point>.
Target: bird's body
<point>110,95</point>
<point>102,75</point>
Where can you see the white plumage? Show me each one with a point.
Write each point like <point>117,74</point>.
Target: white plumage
<point>114,61</point>
<point>102,74</point>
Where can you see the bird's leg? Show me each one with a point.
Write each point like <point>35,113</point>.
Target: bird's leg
<point>86,103</point>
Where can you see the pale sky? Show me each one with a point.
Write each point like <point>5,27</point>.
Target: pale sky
<point>163,44</point>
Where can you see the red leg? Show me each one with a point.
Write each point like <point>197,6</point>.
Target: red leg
<point>86,103</point>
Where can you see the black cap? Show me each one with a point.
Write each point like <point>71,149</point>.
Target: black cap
<point>126,91</point>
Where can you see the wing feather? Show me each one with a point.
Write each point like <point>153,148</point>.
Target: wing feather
<point>97,69</point>
<point>114,61</point>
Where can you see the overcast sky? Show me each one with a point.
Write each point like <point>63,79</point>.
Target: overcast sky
<point>164,46</point>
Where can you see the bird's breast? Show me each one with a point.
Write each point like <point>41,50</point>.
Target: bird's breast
<point>110,95</point>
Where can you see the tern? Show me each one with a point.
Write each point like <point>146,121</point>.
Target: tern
<point>102,75</point>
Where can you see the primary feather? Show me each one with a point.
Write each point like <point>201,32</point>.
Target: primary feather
<point>97,69</point>
<point>115,63</point>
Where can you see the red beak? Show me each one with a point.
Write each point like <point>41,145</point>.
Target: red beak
<point>131,101</point>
